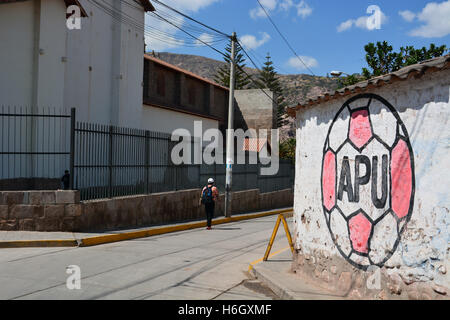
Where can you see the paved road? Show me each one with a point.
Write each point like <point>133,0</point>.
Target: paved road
<point>194,264</point>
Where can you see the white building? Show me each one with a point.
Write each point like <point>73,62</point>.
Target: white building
<point>371,186</point>
<point>96,69</point>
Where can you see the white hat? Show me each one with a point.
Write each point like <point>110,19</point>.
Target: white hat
<point>210,180</point>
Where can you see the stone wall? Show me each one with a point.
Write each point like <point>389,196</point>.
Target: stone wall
<point>371,190</point>
<point>63,211</point>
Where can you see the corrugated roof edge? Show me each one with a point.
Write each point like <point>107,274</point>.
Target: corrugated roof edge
<point>405,73</point>
<point>147,5</point>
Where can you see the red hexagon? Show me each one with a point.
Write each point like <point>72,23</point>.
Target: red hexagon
<point>360,228</point>
<point>329,180</point>
<point>360,130</point>
<point>401,179</point>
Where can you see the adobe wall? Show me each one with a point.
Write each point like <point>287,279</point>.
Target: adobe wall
<point>63,211</point>
<point>371,191</point>
<point>258,109</point>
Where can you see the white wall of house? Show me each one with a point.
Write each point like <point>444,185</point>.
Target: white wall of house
<point>163,120</point>
<point>421,256</point>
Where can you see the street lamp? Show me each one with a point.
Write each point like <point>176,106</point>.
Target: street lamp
<point>338,73</point>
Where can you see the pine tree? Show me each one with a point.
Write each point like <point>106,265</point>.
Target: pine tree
<point>223,74</point>
<point>268,78</point>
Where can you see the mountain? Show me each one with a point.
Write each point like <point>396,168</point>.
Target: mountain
<point>297,87</point>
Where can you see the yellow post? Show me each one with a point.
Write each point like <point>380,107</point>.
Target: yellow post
<point>272,239</point>
<point>288,234</point>
<point>281,217</point>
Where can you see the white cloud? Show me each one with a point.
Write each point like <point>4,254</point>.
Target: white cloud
<point>364,22</point>
<point>258,12</point>
<point>251,42</point>
<point>161,31</point>
<point>435,17</point>
<point>310,62</point>
<point>286,5</point>
<point>206,38</point>
<point>345,25</point>
<point>303,9</point>
<point>407,15</point>
<point>185,5</point>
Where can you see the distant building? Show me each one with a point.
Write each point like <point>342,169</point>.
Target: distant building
<point>174,98</point>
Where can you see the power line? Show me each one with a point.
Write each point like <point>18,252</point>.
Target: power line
<point>154,33</point>
<point>284,38</point>
<point>192,19</point>
<point>194,37</point>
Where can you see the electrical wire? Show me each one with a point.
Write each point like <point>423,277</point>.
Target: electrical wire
<point>192,19</point>
<point>150,32</point>
<point>284,38</point>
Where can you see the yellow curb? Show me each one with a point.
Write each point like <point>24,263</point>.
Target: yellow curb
<point>93,241</point>
<point>38,243</point>
<point>97,240</point>
<point>250,267</point>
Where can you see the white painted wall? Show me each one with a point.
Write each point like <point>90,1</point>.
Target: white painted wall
<point>163,120</point>
<point>424,107</point>
<point>17,53</point>
<point>103,69</point>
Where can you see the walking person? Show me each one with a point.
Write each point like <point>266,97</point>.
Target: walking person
<point>210,194</point>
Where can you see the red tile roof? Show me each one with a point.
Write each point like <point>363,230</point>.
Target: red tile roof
<point>253,144</point>
<point>416,70</point>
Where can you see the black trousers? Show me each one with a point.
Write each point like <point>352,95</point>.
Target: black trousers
<point>209,208</point>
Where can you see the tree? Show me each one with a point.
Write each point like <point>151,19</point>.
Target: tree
<point>348,80</point>
<point>268,78</point>
<point>382,59</point>
<point>223,74</point>
<point>287,149</point>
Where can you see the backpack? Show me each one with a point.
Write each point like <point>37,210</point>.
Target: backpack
<point>207,196</point>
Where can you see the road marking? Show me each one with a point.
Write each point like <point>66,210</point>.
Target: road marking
<point>250,267</point>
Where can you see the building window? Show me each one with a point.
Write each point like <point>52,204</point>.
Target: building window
<point>161,84</point>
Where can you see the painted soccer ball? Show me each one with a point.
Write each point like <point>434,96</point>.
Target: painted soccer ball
<point>367,180</point>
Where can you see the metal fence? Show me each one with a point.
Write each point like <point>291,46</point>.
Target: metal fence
<point>34,147</point>
<point>108,161</point>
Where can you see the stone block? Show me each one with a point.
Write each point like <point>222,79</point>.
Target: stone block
<point>21,211</point>
<point>4,212</point>
<point>345,281</point>
<point>72,210</point>
<point>42,197</point>
<point>48,224</point>
<point>14,197</point>
<point>67,197</point>
<point>54,211</point>
<point>9,225</point>
<point>27,225</point>
<point>68,224</point>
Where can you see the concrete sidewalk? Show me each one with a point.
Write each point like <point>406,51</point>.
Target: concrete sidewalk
<point>19,239</point>
<point>277,275</point>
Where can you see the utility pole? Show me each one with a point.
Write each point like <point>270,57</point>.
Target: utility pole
<point>230,135</point>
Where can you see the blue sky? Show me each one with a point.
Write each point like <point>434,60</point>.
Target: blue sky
<point>328,35</point>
